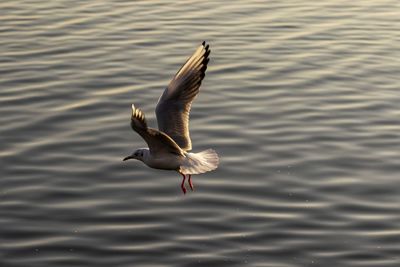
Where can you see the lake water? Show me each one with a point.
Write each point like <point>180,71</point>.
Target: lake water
<point>301,101</point>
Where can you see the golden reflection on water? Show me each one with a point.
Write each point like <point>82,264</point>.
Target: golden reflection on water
<point>300,100</point>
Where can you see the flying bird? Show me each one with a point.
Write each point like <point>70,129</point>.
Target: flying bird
<point>169,146</point>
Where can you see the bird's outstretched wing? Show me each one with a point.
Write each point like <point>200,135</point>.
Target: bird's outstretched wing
<point>173,107</point>
<point>157,141</point>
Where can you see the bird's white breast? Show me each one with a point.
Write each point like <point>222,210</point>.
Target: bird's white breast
<point>165,161</point>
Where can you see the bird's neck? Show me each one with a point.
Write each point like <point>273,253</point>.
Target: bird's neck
<point>146,155</point>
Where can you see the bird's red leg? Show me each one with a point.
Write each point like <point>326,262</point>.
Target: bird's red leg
<point>190,182</point>
<point>183,184</point>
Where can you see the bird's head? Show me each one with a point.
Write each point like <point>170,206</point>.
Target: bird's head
<point>137,154</point>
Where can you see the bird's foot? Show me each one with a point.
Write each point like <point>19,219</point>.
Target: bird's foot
<point>190,183</point>
<point>183,189</point>
<point>183,184</point>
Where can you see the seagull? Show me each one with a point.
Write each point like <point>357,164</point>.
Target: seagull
<point>169,146</point>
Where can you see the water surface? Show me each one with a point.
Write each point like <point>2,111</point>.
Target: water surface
<point>301,101</point>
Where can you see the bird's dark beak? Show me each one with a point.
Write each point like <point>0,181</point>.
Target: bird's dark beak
<point>128,157</point>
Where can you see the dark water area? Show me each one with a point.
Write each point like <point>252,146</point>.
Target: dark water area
<point>301,101</point>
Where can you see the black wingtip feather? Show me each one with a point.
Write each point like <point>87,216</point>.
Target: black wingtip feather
<point>204,67</point>
<point>205,62</point>
<point>206,54</point>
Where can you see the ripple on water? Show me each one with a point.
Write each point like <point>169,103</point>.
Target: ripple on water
<point>300,101</point>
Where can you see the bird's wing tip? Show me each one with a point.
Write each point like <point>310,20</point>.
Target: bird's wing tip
<point>206,46</point>
<point>134,110</point>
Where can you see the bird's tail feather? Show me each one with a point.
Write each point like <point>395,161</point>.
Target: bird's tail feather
<point>201,162</point>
